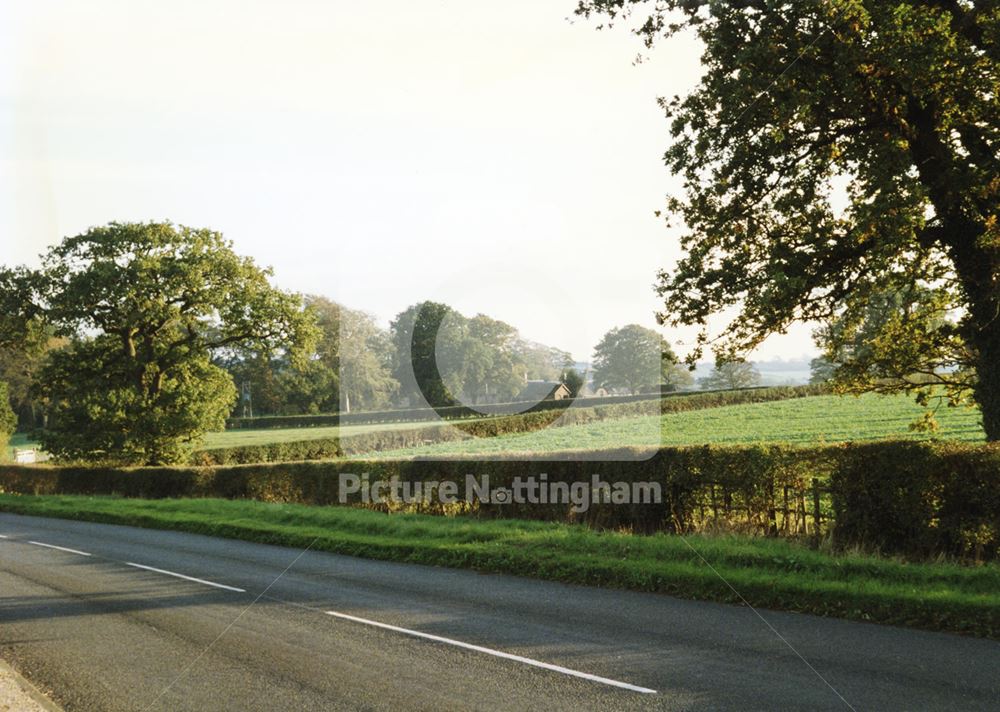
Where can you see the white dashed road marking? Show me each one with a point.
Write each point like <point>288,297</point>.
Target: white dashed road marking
<point>496,653</point>
<point>60,548</point>
<point>186,578</point>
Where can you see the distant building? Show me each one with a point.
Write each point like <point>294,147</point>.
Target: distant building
<point>25,457</point>
<point>543,390</point>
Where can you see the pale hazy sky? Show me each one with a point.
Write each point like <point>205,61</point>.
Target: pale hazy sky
<point>493,156</point>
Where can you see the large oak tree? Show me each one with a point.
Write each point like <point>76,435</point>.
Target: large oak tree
<point>833,151</point>
<point>147,306</point>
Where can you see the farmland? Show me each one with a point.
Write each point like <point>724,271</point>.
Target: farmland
<point>811,420</point>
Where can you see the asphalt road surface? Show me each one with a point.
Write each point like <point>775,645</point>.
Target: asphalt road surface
<point>108,622</point>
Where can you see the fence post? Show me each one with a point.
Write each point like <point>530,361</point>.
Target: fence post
<point>816,511</point>
<point>772,515</point>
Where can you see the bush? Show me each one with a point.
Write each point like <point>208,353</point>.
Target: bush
<point>745,478</point>
<point>913,499</point>
<point>919,499</point>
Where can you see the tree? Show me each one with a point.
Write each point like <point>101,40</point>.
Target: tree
<point>731,375</point>
<point>632,357</point>
<point>677,377</point>
<point>8,420</point>
<point>423,335</point>
<point>897,100</point>
<point>542,363</point>
<point>20,363</point>
<point>572,379</point>
<point>98,412</point>
<point>492,366</point>
<point>148,305</point>
<point>821,370</point>
<point>882,347</point>
<point>365,380</point>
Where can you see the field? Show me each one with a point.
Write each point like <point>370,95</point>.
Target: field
<point>237,438</point>
<point>812,420</point>
<point>818,419</point>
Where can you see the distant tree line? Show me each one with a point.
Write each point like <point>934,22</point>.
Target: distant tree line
<point>134,339</point>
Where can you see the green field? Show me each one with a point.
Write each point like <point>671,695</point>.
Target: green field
<point>767,572</point>
<point>818,419</point>
<point>237,438</point>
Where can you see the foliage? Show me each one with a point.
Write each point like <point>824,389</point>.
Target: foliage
<point>919,500</point>
<point>896,100</point>
<point>542,363</point>
<point>632,357</point>
<point>443,357</point>
<point>97,413</point>
<point>20,363</point>
<point>881,346</point>
<point>8,420</point>
<point>572,379</point>
<point>821,370</point>
<point>416,335</point>
<point>148,305</point>
<point>731,375</point>
<point>677,377</point>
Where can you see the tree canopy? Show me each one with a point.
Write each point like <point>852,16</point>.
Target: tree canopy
<point>833,151</point>
<point>147,305</point>
<point>8,420</point>
<point>731,375</point>
<point>632,357</point>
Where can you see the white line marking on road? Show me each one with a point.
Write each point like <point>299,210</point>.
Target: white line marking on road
<point>3,536</point>
<point>60,548</point>
<point>496,653</point>
<point>186,578</point>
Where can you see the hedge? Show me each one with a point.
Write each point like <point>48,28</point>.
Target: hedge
<point>746,475</point>
<point>918,499</point>
<point>913,499</point>
<point>672,402</point>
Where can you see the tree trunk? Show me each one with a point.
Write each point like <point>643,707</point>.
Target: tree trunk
<point>986,340</point>
<point>978,267</point>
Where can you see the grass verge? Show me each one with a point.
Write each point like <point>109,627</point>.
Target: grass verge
<point>768,573</point>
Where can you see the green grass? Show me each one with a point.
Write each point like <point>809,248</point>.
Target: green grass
<point>265,436</point>
<point>817,419</point>
<point>767,572</point>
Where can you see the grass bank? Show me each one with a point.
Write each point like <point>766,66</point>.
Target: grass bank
<point>768,573</point>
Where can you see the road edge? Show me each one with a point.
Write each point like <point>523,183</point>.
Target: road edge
<point>28,689</point>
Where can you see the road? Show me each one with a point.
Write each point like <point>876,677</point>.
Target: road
<point>107,623</point>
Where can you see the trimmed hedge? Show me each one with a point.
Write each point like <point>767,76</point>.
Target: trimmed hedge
<point>706,399</point>
<point>914,499</point>
<point>747,475</point>
<point>919,499</point>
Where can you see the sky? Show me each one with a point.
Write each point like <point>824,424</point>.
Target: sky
<point>503,158</point>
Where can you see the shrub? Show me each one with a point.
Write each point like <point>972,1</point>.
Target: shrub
<point>912,499</point>
<point>919,499</point>
<point>741,480</point>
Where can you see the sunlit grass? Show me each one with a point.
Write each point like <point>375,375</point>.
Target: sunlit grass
<point>767,572</point>
<point>806,421</point>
